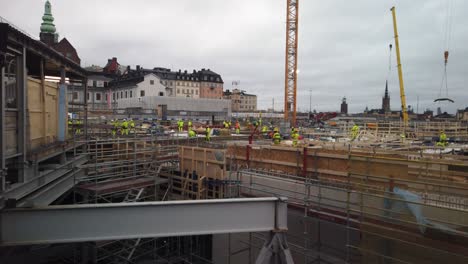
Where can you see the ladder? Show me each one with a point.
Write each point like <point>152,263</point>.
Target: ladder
<point>133,195</point>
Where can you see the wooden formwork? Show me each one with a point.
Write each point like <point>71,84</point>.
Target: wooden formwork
<point>202,172</point>
<point>42,126</point>
<point>359,186</point>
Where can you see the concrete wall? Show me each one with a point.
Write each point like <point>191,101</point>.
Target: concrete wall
<point>179,105</point>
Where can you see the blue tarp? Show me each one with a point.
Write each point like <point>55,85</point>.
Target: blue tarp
<point>412,202</point>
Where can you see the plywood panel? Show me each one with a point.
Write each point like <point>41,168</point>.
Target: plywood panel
<point>42,115</point>
<point>11,133</point>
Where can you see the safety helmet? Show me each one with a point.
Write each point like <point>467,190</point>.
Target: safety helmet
<point>276,129</point>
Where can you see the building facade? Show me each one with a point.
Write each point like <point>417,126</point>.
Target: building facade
<point>241,101</point>
<point>187,84</point>
<point>211,84</point>
<point>97,96</point>
<point>138,84</point>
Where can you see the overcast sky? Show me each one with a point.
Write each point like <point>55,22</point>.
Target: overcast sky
<point>343,45</point>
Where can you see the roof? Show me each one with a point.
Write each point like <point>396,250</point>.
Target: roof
<point>9,32</point>
<point>236,91</point>
<point>131,79</point>
<point>197,76</point>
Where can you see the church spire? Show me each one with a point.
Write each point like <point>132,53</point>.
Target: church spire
<point>386,89</point>
<point>47,25</point>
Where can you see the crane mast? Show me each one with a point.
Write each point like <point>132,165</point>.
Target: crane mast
<point>290,83</point>
<point>400,73</point>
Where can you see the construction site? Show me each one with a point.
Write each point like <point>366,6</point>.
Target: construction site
<point>391,191</point>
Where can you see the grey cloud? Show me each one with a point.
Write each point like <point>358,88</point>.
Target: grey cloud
<point>343,45</point>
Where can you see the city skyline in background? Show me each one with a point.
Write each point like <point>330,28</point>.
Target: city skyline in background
<point>343,48</point>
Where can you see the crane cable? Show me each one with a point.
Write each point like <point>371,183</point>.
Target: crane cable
<point>389,62</point>
<point>447,40</point>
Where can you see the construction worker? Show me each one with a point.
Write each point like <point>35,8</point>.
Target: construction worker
<point>255,125</point>
<point>442,139</point>
<point>276,136</point>
<point>132,125</point>
<point>295,137</point>
<point>70,127</point>
<point>181,125</point>
<point>77,126</point>
<point>208,134</point>
<point>124,127</point>
<point>225,124</point>
<point>114,128</point>
<point>229,124</point>
<point>237,127</point>
<point>354,132</point>
<point>190,125</point>
<point>191,133</point>
<point>265,131</point>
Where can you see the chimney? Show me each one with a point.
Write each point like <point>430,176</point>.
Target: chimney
<point>194,71</point>
<point>203,69</point>
<point>180,71</point>
<point>114,59</point>
<point>208,69</point>
<point>128,68</point>
<point>185,71</point>
<point>138,67</point>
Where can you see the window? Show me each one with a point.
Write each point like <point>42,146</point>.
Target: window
<point>178,83</point>
<point>142,93</point>
<point>121,94</point>
<point>161,94</point>
<point>105,84</point>
<point>75,95</point>
<point>152,82</point>
<point>170,83</point>
<point>205,78</point>
<point>87,97</point>
<point>178,91</point>
<point>196,92</point>
<point>125,94</point>
<point>192,91</point>
<point>131,94</point>
<point>165,82</point>
<point>106,96</point>
<point>183,90</point>
<point>113,96</point>
<point>117,95</point>
<point>94,83</point>
<point>98,96</point>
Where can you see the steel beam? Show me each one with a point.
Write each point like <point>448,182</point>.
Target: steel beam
<point>2,123</point>
<point>21,100</point>
<point>32,185</point>
<point>94,222</point>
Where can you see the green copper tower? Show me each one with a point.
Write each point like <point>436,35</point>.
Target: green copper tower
<point>48,35</point>
<point>47,25</point>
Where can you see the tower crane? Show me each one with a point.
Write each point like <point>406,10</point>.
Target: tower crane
<point>404,111</point>
<point>290,80</point>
